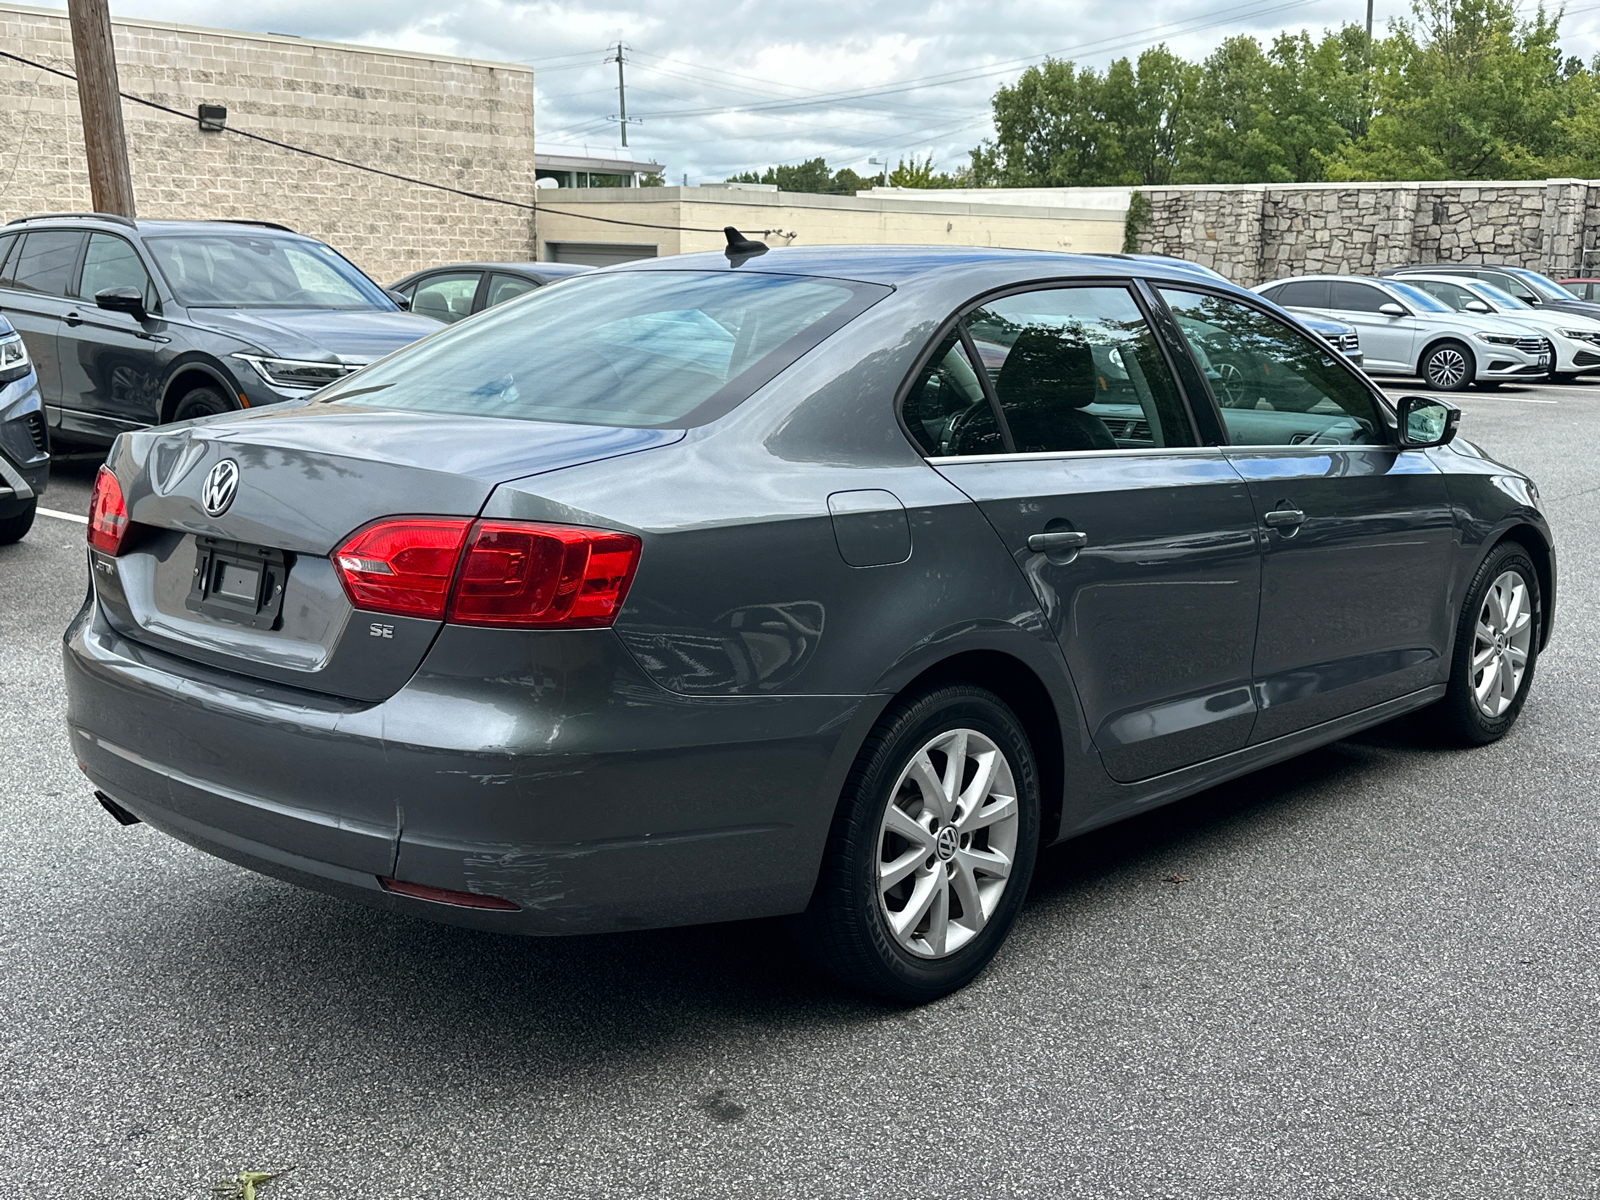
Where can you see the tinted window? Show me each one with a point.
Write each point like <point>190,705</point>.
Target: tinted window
<point>6,242</point>
<point>111,262</point>
<point>446,298</point>
<point>947,410</point>
<point>1308,293</point>
<point>638,348</point>
<point>1357,297</point>
<point>44,261</point>
<point>240,270</point>
<point>1507,283</point>
<point>1275,386</point>
<point>507,287</point>
<point>1078,369</point>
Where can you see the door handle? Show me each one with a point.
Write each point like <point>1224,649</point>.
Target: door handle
<point>1280,517</point>
<point>1066,539</point>
<point>72,318</point>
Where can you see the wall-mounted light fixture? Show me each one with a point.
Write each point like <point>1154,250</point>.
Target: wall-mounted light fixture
<point>213,118</point>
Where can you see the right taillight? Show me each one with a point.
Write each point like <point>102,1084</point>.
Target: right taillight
<point>108,514</point>
<point>514,574</point>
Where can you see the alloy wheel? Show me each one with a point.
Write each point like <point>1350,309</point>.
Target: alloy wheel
<point>1447,367</point>
<point>947,843</point>
<point>1230,380</point>
<point>1500,644</point>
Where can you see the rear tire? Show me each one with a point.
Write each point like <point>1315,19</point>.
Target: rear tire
<point>957,870</point>
<point>203,402</point>
<point>1448,367</point>
<point>14,529</point>
<point>1496,650</point>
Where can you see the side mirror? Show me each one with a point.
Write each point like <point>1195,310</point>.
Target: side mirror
<point>1476,306</point>
<point>123,299</point>
<point>1427,421</point>
<point>1529,298</point>
<point>1391,309</point>
<point>400,298</point>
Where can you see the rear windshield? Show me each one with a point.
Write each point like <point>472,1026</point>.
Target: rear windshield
<point>643,348</point>
<point>240,270</point>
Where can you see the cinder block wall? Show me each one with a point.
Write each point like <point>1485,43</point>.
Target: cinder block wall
<point>1253,234</point>
<point>459,122</point>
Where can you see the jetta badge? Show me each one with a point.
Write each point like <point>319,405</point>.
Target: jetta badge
<point>222,481</point>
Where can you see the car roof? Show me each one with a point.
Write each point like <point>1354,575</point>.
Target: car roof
<point>109,223</point>
<point>896,265</point>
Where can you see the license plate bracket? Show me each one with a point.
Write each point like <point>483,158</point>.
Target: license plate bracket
<point>238,582</point>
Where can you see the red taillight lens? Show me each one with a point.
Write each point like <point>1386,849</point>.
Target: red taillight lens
<point>505,573</point>
<point>543,576</point>
<point>403,566</point>
<point>108,514</point>
<point>422,891</point>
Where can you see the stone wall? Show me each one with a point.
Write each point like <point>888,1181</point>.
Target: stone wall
<point>1253,234</point>
<point>458,122</point>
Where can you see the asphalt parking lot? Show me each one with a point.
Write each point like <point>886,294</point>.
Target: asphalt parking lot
<point>1372,971</point>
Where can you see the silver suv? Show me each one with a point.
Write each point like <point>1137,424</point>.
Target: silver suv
<point>1405,331</point>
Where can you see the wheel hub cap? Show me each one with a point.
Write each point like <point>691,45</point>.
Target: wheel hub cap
<point>946,843</point>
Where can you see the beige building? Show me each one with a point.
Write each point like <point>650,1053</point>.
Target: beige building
<point>454,121</point>
<point>576,226</point>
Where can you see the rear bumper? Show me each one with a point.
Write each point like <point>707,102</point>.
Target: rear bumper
<point>572,785</point>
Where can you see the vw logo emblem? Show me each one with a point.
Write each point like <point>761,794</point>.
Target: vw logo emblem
<point>222,481</point>
<point>946,844</point>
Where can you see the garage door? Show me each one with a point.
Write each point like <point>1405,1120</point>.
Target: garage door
<point>596,254</point>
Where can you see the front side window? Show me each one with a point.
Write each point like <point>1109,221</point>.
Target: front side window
<point>111,262</point>
<point>640,348</point>
<point>44,261</point>
<point>1418,299</point>
<point>1356,297</point>
<point>1274,385</point>
<point>1078,368</point>
<point>241,270</point>
<point>947,410</point>
<point>1452,294</point>
<point>446,298</point>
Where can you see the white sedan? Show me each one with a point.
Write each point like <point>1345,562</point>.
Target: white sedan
<point>1576,339</point>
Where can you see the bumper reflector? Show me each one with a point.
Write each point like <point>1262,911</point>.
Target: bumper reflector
<point>421,891</point>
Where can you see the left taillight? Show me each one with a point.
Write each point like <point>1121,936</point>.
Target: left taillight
<point>506,574</point>
<point>108,514</point>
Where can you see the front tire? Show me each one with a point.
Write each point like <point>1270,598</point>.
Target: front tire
<point>931,850</point>
<point>14,529</point>
<point>1496,650</point>
<point>1448,367</point>
<point>203,402</point>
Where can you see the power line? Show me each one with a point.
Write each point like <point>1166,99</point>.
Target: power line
<point>345,162</point>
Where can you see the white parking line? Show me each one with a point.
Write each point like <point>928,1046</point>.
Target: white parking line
<point>61,516</point>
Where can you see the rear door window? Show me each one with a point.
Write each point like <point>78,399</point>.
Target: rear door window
<point>446,298</point>
<point>1356,297</point>
<point>45,261</point>
<point>947,410</point>
<point>1305,293</point>
<point>507,287</point>
<point>1274,385</point>
<point>1078,368</point>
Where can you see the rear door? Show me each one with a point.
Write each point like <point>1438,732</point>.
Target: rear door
<point>38,273</point>
<point>1356,533</point>
<point>1056,410</point>
<point>1386,341</point>
<point>111,363</point>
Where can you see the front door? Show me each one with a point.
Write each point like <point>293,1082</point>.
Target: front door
<point>38,272</point>
<point>1060,418</point>
<point>110,362</point>
<point>1387,342</point>
<point>1356,533</point>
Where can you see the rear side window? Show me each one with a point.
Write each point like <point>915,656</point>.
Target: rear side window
<point>45,261</point>
<point>638,348</point>
<point>507,287</point>
<point>1305,293</point>
<point>1078,369</point>
<point>111,262</point>
<point>1274,385</point>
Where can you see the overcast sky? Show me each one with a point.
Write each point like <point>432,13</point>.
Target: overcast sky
<point>692,66</point>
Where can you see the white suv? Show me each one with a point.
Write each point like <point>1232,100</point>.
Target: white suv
<point>1576,339</point>
<point>1405,331</point>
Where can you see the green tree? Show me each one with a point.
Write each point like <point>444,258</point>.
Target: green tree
<point>919,173</point>
<point>810,176</point>
<point>1467,92</point>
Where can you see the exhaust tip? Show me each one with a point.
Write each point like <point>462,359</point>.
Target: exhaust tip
<point>122,815</point>
<point>421,891</point>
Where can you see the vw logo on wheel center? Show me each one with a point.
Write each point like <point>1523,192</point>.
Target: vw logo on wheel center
<point>946,843</point>
<point>222,481</point>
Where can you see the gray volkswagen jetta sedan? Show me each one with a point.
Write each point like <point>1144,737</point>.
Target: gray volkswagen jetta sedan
<point>830,583</point>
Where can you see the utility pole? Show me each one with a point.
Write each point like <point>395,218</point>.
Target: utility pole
<point>622,98</point>
<point>1369,22</point>
<point>105,143</point>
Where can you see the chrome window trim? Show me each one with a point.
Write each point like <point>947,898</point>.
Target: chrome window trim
<point>1052,455</point>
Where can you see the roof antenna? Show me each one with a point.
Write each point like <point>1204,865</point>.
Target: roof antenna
<point>740,248</point>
